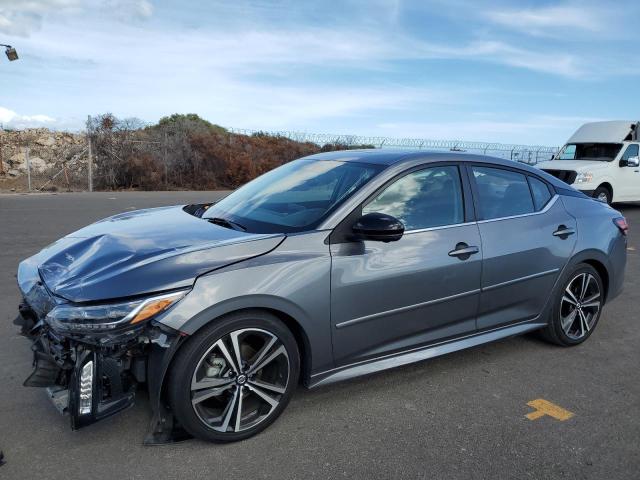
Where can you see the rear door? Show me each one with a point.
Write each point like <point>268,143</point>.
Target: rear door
<point>388,297</point>
<point>527,237</point>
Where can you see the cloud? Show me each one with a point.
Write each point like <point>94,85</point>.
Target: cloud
<point>9,118</point>
<point>556,63</point>
<point>22,17</point>
<point>254,51</point>
<point>557,20</point>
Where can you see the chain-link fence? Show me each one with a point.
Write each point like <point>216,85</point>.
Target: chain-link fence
<point>171,156</point>
<point>38,160</point>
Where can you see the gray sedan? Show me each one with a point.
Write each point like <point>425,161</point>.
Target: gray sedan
<point>331,266</point>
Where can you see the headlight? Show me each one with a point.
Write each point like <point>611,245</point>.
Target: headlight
<point>584,177</point>
<point>107,317</point>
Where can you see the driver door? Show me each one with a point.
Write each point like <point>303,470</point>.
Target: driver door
<point>388,297</point>
<point>629,176</point>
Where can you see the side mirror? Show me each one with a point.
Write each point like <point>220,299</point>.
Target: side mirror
<point>379,227</point>
<point>633,162</point>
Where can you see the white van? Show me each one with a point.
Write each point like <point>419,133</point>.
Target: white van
<point>601,160</point>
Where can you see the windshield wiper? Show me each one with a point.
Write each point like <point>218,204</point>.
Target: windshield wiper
<point>223,222</point>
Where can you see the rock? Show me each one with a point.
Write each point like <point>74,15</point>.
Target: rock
<point>13,172</point>
<point>46,141</point>
<point>38,164</point>
<point>17,160</point>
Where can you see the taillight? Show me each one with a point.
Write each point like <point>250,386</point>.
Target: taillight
<point>622,224</point>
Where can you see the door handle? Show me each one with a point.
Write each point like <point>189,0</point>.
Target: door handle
<point>463,251</point>
<point>563,232</point>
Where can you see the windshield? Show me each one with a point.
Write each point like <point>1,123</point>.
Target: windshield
<point>604,152</point>
<point>294,197</point>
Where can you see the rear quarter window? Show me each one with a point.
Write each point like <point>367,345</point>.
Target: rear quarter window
<point>540,193</point>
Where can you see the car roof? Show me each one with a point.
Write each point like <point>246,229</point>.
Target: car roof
<point>390,157</point>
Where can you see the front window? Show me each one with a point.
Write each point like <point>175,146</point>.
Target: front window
<point>604,152</point>
<point>423,199</point>
<point>294,197</point>
<point>631,151</point>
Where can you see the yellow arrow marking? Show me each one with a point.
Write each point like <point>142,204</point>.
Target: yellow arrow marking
<point>544,407</point>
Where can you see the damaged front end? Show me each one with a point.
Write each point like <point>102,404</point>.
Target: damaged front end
<point>91,358</point>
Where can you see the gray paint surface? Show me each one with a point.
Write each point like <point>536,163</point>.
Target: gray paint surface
<point>397,286</point>
<point>352,301</point>
<point>449,415</point>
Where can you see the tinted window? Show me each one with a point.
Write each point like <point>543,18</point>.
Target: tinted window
<point>502,193</point>
<point>540,192</point>
<point>427,198</point>
<point>631,151</point>
<point>590,151</point>
<point>294,197</point>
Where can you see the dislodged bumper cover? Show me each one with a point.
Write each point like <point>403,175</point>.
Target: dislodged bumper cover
<point>90,382</point>
<point>137,253</point>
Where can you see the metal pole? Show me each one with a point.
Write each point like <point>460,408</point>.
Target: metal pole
<point>28,161</point>
<point>90,164</point>
<point>1,162</point>
<point>164,158</point>
<point>90,153</point>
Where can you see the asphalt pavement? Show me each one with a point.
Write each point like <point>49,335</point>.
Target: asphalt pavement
<point>463,415</point>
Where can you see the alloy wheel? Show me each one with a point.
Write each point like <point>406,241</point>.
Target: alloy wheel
<point>580,306</point>
<point>240,380</point>
<point>603,197</point>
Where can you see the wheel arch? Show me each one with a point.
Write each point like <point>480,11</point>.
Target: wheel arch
<point>161,359</point>
<point>607,184</point>
<point>597,260</point>
<point>289,313</point>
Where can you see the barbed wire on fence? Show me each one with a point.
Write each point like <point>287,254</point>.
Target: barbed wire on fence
<point>514,151</point>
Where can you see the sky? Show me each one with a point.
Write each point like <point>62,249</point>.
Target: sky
<point>527,72</point>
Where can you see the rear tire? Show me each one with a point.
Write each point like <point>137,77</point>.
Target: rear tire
<point>603,194</point>
<point>233,379</point>
<point>576,307</point>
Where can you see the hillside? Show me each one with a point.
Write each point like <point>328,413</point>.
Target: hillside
<point>179,152</point>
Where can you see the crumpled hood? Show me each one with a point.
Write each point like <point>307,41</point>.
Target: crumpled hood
<point>138,252</point>
<point>575,165</point>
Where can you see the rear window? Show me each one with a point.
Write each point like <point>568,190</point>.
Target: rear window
<point>502,193</point>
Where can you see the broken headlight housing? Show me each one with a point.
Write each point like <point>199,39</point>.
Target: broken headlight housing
<point>111,316</point>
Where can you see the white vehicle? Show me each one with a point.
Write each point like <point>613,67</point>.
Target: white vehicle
<point>601,160</point>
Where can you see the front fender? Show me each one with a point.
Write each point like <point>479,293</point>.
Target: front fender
<point>293,279</point>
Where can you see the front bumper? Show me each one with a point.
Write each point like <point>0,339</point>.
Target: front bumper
<point>85,381</point>
<point>94,377</point>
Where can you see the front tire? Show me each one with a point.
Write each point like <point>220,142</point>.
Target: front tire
<point>603,194</point>
<point>577,307</point>
<point>235,377</point>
